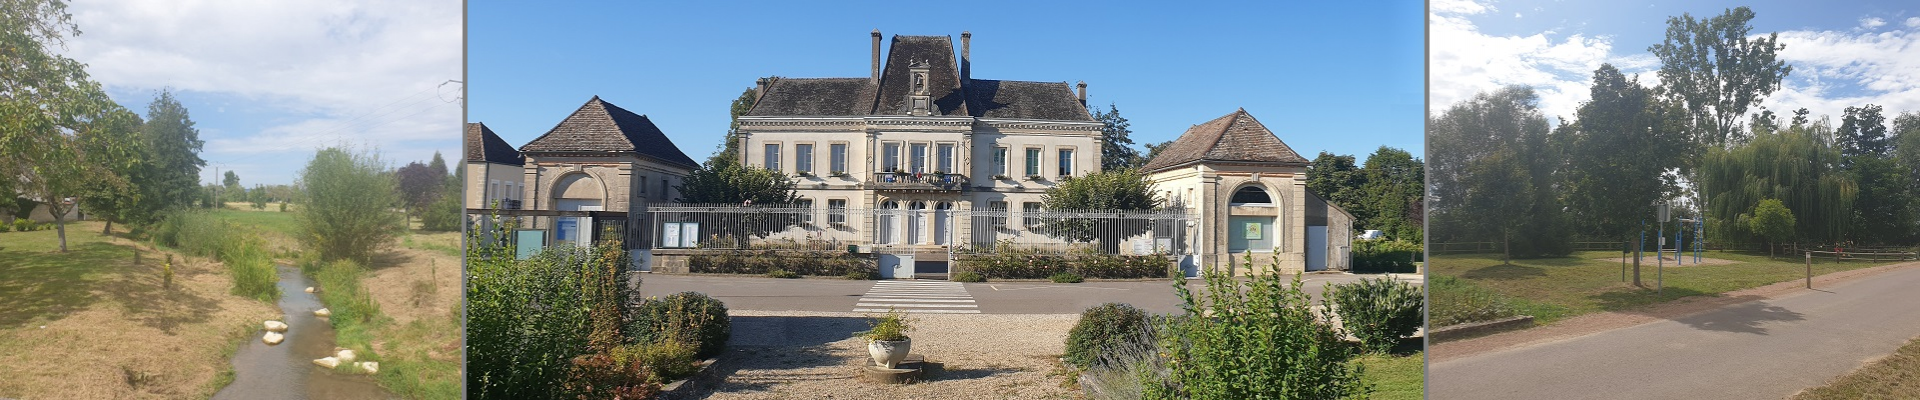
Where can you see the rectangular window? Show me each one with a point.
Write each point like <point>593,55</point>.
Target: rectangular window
<point>1066,162</point>
<point>773,157</point>
<point>806,218</point>
<point>665,185</point>
<point>946,158</point>
<point>1033,161</point>
<point>999,161</point>
<point>919,158</point>
<point>837,211</point>
<point>803,157</point>
<point>1029,208</point>
<point>891,157</point>
<point>1001,207</point>
<point>643,184</point>
<point>839,151</point>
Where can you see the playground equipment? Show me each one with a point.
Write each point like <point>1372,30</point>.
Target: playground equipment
<point>1679,244</point>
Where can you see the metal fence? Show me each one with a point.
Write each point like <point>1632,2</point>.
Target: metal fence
<point>916,226</point>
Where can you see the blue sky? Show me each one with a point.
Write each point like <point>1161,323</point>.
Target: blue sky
<point>1324,76</point>
<point>1843,53</point>
<point>267,83</point>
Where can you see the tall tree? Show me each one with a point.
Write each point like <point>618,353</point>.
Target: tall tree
<point>1797,166</point>
<point>732,183</point>
<point>33,82</point>
<point>113,143</point>
<point>1490,174</point>
<point>730,145</point>
<point>1394,185</point>
<point>1621,155</point>
<point>172,176</point>
<point>231,181</point>
<point>419,185</point>
<point>1337,178</point>
<point>1116,149</point>
<point>1717,71</point>
<point>439,164</point>
<point>1884,210</point>
<point>1863,133</point>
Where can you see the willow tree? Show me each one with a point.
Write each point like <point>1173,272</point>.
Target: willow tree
<point>1800,166</point>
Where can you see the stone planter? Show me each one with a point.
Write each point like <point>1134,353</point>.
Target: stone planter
<point>889,353</point>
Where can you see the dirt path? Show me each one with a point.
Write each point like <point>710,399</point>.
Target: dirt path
<point>1606,321</point>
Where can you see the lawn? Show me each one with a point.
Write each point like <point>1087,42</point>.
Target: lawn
<point>90,323</point>
<point>270,219</point>
<point>1552,289</point>
<point>1395,377</point>
<point>1897,376</point>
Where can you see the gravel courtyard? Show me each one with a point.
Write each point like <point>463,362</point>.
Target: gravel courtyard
<point>813,355</point>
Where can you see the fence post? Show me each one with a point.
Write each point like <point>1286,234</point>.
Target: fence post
<point>1809,270</point>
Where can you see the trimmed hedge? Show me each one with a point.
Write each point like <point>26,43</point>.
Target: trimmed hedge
<point>762,262</point>
<point>1380,312</point>
<point>1386,255</point>
<point>1029,265</point>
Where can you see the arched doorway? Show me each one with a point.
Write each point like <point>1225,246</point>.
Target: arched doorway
<point>942,222</point>
<point>1250,224</point>
<point>916,222</point>
<point>888,230</point>
<point>576,192</point>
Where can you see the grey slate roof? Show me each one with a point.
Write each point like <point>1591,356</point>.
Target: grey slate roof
<point>1025,100</point>
<point>482,145</point>
<point>1235,137</point>
<point>951,95</point>
<point>601,127</point>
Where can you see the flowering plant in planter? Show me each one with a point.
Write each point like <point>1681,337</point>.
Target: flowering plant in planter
<point>887,340</point>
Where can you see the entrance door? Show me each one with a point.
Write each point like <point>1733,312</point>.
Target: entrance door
<point>888,230</point>
<point>916,222</point>
<point>942,222</point>
<point>1316,248</point>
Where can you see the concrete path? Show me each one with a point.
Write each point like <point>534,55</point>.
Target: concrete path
<point>1763,349</point>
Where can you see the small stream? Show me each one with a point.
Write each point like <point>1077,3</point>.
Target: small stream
<point>286,371</point>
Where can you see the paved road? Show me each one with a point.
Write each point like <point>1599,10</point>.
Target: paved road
<point>1765,349</point>
<point>769,294</point>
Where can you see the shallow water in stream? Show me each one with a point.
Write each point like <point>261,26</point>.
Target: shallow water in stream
<point>286,371</point>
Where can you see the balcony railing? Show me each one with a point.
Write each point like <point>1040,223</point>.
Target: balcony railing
<point>921,181</point>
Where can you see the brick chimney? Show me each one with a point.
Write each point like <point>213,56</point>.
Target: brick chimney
<point>760,88</point>
<point>966,56</point>
<point>1083,93</point>
<point>876,58</point>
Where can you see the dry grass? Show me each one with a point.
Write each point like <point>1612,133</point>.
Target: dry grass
<point>1895,377</point>
<point>420,290</point>
<point>90,324</point>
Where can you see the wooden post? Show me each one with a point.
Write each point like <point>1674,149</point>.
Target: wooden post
<point>136,256</point>
<point>1809,270</point>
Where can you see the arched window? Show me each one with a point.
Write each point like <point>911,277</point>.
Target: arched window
<point>1251,195</point>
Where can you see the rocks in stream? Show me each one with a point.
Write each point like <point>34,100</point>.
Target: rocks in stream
<point>345,355</point>
<point>328,362</point>
<point>273,338</point>
<point>369,367</point>
<point>276,326</point>
<point>342,356</point>
<point>309,289</point>
<point>322,313</point>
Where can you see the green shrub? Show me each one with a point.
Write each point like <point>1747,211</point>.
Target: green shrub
<point>666,360</point>
<point>24,225</point>
<point>603,376</point>
<point>1457,302</point>
<point>1254,339</point>
<point>1385,255</point>
<point>443,215</point>
<point>1104,329</point>
<point>348,203</point>
<point>6,227</point>
<point>1066,277</point>
<point>805,263</point>
<point>1380,312</point>
<point>782,274</point>
<point>892,326</point>
<point>699,318</point>
<point>252,269</point>
<point>526,319</point>
<point>968,276</point>
<point>1008,261</point>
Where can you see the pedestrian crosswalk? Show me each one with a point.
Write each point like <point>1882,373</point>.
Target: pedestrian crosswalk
<point>927,297</point>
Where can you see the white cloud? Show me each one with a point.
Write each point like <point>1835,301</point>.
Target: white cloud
<point>1466,61</point>
<point>1872,22</point>
<point>319,63</point>
<point>1832,69</point>
<point>1459,7</point>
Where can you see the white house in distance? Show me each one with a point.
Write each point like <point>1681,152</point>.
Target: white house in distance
<point>1249,192</point>
<point>494,170</point>
<point>920,135</point>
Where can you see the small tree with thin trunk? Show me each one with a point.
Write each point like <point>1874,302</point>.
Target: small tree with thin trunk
<point>1773,222</point>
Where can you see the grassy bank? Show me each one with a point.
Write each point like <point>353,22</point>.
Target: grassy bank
<point>1395,377</point>
<point>91,323</point>
<point>1552,289</point>
<point>1897,376</point>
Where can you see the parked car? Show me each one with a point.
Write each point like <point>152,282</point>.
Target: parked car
<point>1371,234</point>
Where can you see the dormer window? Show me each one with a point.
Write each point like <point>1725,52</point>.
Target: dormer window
<point>919,102</point>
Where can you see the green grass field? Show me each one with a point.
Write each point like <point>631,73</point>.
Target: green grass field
<point>1552,289</point>
<point>270,220</point>
<point>1395,377</point>
<point>40,284</point>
